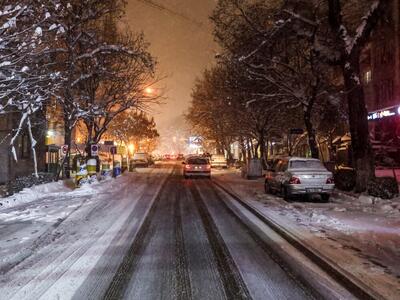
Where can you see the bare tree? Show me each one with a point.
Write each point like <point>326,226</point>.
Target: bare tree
<point>26,79</point>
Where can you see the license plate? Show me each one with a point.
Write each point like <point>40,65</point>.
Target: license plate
<point>314,190</point>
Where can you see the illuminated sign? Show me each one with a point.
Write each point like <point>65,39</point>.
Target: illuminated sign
<point>384,113</point>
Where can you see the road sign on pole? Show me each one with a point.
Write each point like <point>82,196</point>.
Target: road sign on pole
<point>94,149</point>
<point>109,143</point>
<point>113,150</point>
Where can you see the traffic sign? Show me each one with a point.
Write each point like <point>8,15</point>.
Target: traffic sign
<point>113,150</point>
<point>64,149</point>
<point>94,149</point>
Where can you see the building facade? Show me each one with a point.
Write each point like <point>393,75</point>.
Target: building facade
<point>24,166</point>
<point>380,66</point>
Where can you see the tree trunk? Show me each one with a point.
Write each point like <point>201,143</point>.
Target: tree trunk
<point>312,141</point>
<point>363,156</point>
<point>248,150</point>
<point>243,149</point>
<point>262,150</point>
<point>68,142</point>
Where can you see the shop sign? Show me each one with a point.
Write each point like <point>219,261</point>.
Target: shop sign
<point>384,113</point>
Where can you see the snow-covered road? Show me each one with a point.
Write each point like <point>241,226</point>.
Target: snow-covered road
<point>53,246</point>
<point>145,235</point>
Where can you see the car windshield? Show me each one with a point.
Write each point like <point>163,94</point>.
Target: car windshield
<point>198,161</point>
<point>306,164</point>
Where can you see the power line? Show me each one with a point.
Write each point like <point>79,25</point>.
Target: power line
<point>171,12</point>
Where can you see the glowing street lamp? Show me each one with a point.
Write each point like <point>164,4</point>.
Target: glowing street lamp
<point>149,91</point>
<point>131,148</point>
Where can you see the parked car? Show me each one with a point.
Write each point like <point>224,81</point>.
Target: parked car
<point>141,159</point>
<point>196,166</point>
<point>295,176</point>
<point>218,161</point>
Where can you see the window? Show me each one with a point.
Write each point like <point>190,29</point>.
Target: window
<point>197,161</point>
<point>368,76</point>
<point>24,146</point>
<point>385,92</point>
<point>306,164</point>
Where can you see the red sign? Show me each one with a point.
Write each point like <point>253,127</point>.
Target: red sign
<point>64,149</point>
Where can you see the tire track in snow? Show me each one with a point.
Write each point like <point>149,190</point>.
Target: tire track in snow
<point>234,286</point>
<point>120,281</point>
<point>183,286</point>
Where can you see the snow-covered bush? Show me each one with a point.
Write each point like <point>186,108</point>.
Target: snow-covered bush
<point>345,179</point>
<point>383,187</point>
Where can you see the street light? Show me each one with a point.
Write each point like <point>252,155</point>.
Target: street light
<point>149,91</point>
<point>131,148</point>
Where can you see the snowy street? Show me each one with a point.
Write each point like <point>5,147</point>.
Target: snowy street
<point>151,235</point>
<point>51,245</point>
<point>215,149</point>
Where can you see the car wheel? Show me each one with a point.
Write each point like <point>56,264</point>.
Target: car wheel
<point>325,197</point>
<point>267,188</point>
<point>285,194</point>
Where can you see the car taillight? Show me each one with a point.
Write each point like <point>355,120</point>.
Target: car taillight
<point>330,180</point>
<point>294,180</point>
<point>187,166</point>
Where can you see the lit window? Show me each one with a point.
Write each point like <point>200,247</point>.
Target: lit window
<point>368,76</point>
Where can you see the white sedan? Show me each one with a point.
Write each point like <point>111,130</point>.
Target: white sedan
<point>196,167</point>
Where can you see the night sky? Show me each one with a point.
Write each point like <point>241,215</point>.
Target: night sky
<point>182,48</point>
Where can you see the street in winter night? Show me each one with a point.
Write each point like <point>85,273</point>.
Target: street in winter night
<point>187,149</point>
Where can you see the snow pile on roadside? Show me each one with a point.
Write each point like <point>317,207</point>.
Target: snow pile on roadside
<point>363,227</point>
<point>34,193</point>
<point>52,189</point>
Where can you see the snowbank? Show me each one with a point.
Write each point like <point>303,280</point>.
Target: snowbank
<point>362,234</point>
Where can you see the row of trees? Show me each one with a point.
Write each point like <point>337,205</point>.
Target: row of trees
<point>288,64</point>
<point>73,53</point>
<point>135,128</point>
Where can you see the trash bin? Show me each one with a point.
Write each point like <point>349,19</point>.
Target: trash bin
<point>91,166</point>
<point>105,170</point>
<point>117,168</point>
<point>81,174</point>
<point>254,168</point>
